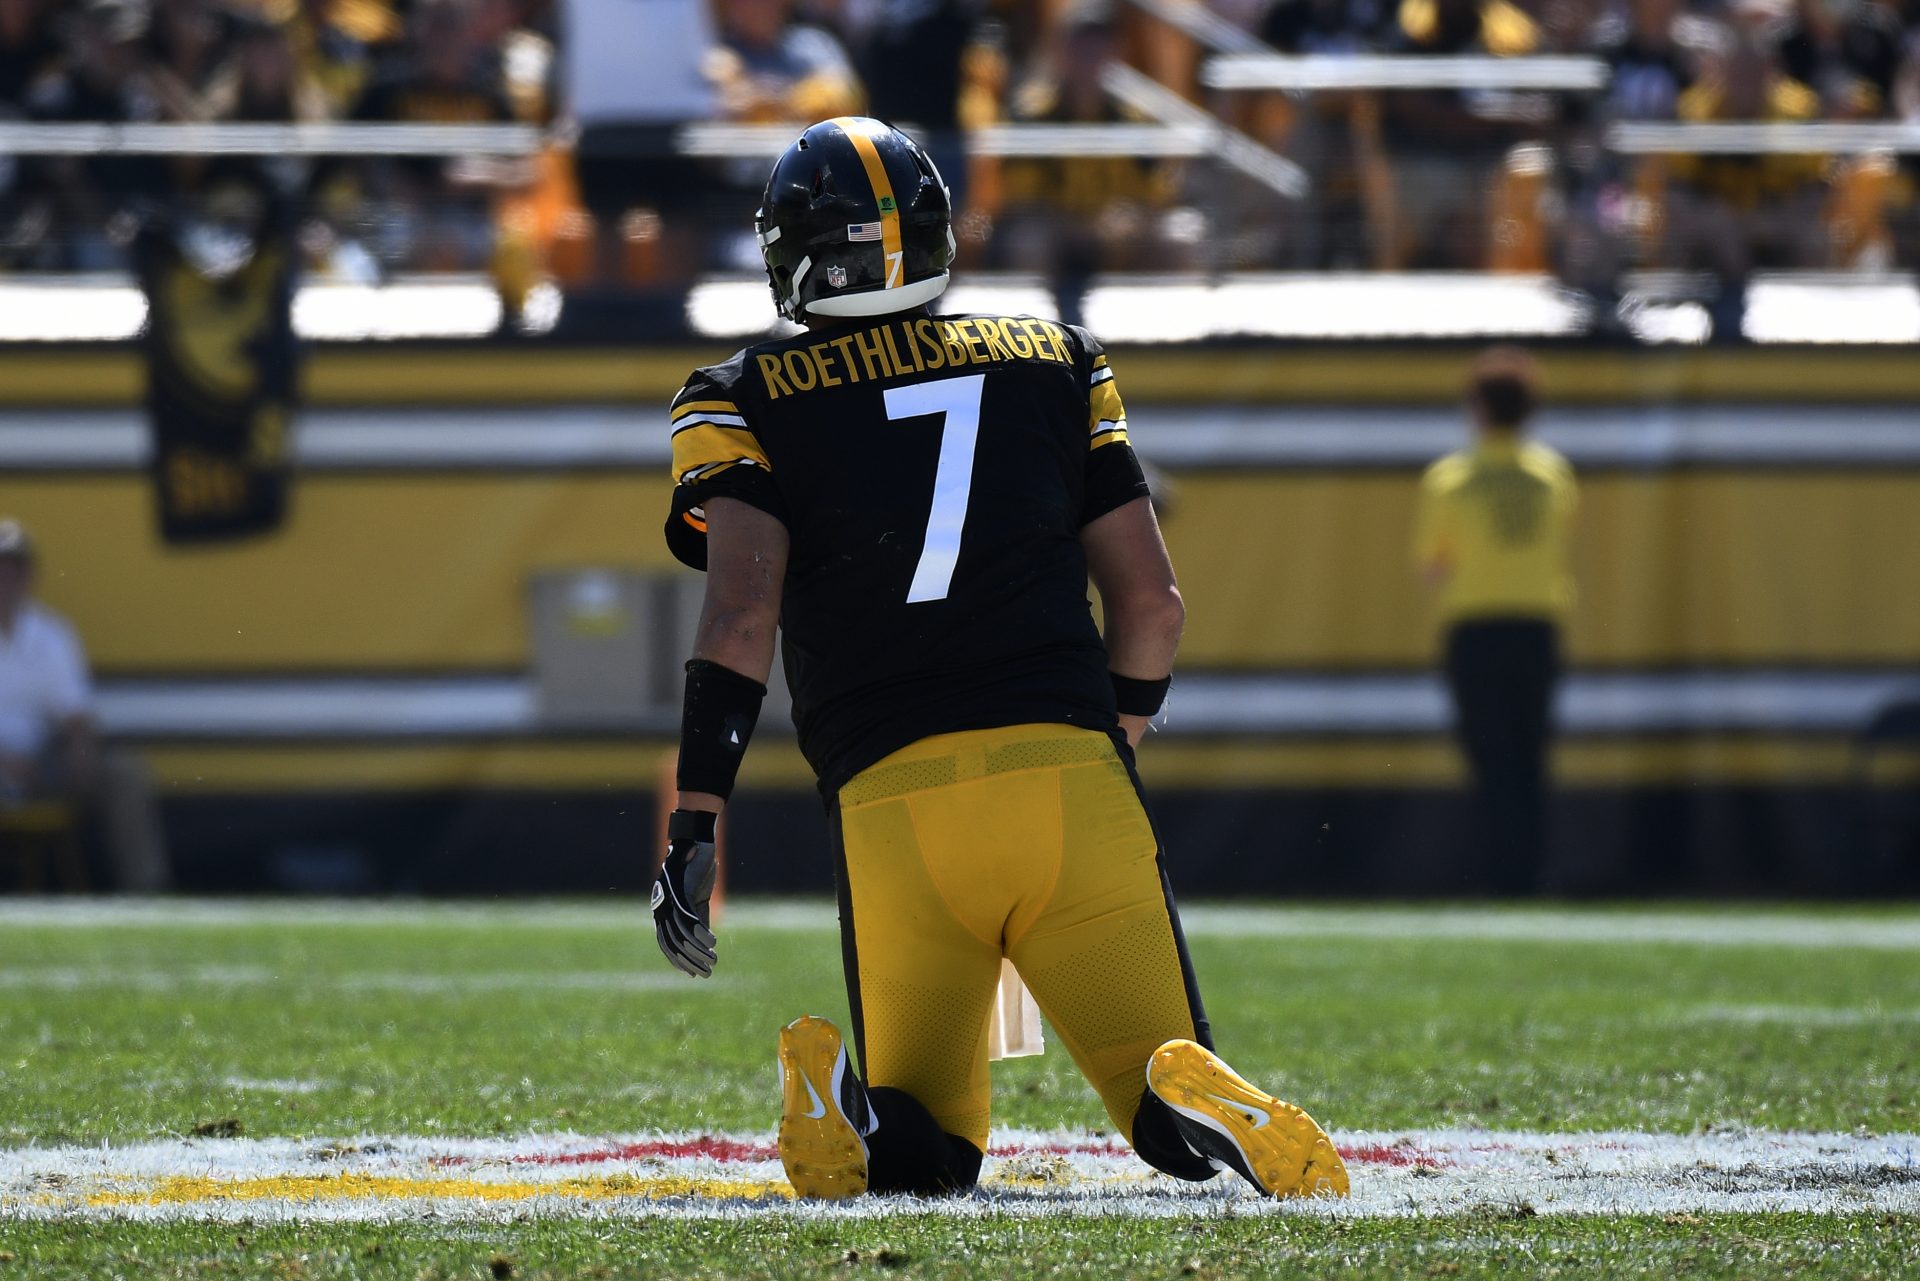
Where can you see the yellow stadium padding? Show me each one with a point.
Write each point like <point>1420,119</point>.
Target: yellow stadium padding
<point>1375,375</point>
<point>370,572</point>
<point>1165,763</point>
<point>1755,567</point>
<point>1280,570</point>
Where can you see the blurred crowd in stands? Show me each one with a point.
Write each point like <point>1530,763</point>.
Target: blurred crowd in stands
<point>1402,180</point>
<point>272,61</point>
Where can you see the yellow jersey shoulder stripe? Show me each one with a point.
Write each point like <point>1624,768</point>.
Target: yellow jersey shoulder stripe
<point>697,474</point>
<point>1105,413</point>
<point>701,446</point>
<point>708,417</point>
<point>684,408</point>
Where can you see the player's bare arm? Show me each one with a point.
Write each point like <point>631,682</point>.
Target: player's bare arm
<point>1143,613</point>
<point>746,566</point>
<point>726,681</point>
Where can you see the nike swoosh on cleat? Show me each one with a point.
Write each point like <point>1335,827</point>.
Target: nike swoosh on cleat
<point>1255,1116</point>
<point>819,1104</point>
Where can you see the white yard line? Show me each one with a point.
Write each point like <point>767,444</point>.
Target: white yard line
<point>649,980</point>
<point>70,978</point>
<point>1728,927</point>
<point>1425,1173</point>
<point>274,1085</point>
<point>1724,928</point>
<point>60,978</point>
<point>332,913</point>
<point>1808,1016</point>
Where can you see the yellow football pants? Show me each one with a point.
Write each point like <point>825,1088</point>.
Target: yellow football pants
<point>1029,842</point>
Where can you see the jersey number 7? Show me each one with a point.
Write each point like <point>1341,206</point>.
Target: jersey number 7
<point>957,401</point>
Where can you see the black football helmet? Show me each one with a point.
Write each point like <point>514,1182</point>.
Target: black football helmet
<point>855,222</point>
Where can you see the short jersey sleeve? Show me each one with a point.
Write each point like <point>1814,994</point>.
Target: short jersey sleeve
<point>1433,535</point>
<point>715,455</point>
<point>1114,478</point>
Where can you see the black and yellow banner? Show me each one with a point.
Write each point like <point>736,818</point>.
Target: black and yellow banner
<point>221,377</point>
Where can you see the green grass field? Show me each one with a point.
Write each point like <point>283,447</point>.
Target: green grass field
<point>127,1025</point>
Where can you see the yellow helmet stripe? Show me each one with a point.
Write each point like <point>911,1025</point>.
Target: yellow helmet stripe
<point>856,131</point>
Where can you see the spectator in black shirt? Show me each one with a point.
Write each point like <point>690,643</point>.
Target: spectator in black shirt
<point>28,49</point>
<point>189,50</point>
<point>912,64</point>
<point>1847,51</point>
<point>768,67</point>
<point>1323,26</point>
<point>29,62</point>
<point>1443,145</point>
<point>1650,71</point>
<point>445,76</point>
<point>433,209</point>
<point>268,82</point>
<point>102,77</point>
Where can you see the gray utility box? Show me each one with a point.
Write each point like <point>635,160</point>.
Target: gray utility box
<point>610,647</point>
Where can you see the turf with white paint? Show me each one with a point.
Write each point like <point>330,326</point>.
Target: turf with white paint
<point>1888,931</point>
<point>1419,1173</point>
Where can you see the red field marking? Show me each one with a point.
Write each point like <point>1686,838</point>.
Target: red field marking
<point>1553,1153</point>
<point>1394,1154</point>
<point>1090,1147</point>
<point>707,1145</point>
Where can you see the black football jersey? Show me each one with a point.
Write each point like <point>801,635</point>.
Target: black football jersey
<point>933,473</point>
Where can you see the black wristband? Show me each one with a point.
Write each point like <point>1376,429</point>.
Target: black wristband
<point>716,724</point>
<point>692,825</point>
<point>1137,697</point>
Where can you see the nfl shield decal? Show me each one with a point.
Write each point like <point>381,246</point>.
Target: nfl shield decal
<point>837,277</point>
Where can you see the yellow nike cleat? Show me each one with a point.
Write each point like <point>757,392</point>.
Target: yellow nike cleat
<point>824,1115</point>
<point>1273,1145</point>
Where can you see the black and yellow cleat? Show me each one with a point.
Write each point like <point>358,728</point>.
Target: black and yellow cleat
<point>824,1114</point>
<point>1273,1145</point>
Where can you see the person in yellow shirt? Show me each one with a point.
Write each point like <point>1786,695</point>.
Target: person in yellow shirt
<point>1494,526</point>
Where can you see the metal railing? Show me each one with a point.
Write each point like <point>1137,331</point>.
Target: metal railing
<point>1195,20</point>
<point>1812,138</point>
<point>1151,98</point>
<point>713,141</point>
<point>319,139</point>
<point>1308,72</point>
<point>1181,129</point>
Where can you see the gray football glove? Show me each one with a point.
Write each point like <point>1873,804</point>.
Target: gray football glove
<point>682,918</point>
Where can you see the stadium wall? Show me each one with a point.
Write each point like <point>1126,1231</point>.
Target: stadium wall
<point>1748,601</point>
<point>1298,569</point>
